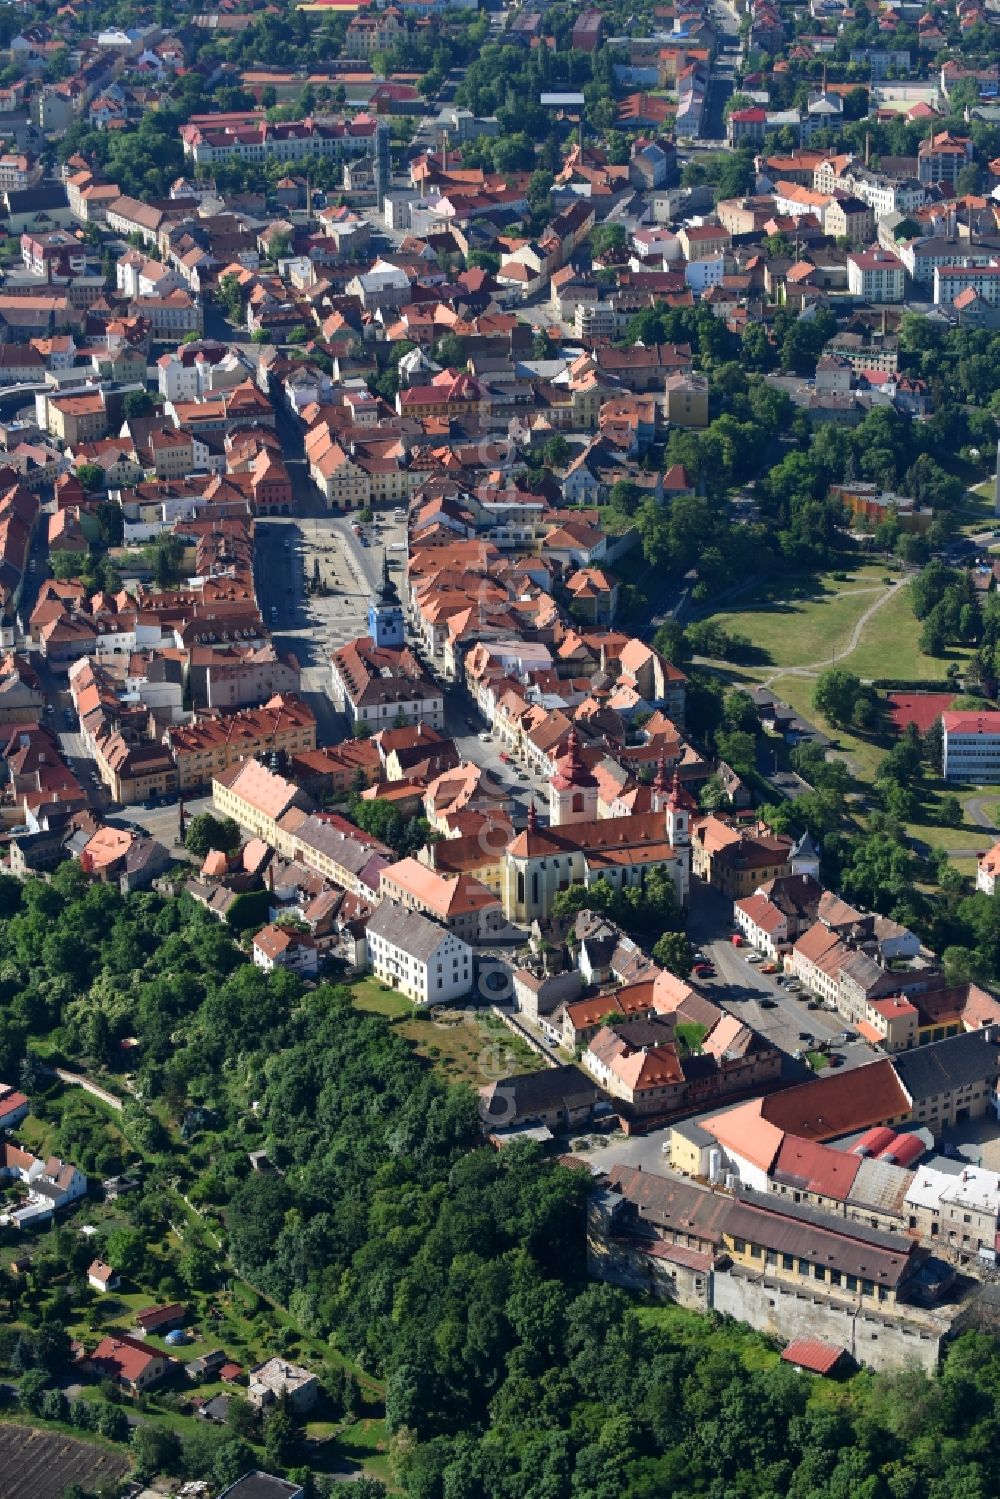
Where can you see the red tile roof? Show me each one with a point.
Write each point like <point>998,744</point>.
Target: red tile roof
<point>816,1168</point>
<point>813,1354</point>
<point>125,1358</point>
<point>971,723</point>
<point>839,1103</point>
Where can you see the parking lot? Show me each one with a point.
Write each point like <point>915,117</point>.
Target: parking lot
<point>739,985</point>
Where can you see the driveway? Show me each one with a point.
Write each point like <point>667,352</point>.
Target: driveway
<point>975,810</point>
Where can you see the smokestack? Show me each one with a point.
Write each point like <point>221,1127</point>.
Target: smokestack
<point>868,147</point>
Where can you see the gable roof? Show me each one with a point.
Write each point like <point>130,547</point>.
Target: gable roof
<point>408,930</point>
<point>839,1103</point>
<point>671,1204</point>
<point>945,1066</point>
<point>812,1167</point>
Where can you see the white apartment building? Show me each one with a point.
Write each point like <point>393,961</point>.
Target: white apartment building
<point>971,746</point>
<point>705,271</point>
<point>411,953</point>
<point>952,280</point>
<point>922,257</point>
<point>876,275</point>
<point>884,195</point>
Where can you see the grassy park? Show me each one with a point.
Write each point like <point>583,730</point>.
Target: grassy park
<point>803,621</point>
<point>890,646</point>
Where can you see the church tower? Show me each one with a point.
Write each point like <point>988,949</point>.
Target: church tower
<point>679,836</point>
<point>573,789</point>
<point>678,818</point>
<point>661,785</point>
<point>806,856</point>
<point>385,613</point>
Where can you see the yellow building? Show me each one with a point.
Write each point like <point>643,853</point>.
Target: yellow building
<point>798,1246</point>
<point>687,400</point>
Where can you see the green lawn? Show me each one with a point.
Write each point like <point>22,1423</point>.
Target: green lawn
<point>890,646</point>
<point>976,511</point>
<point>37,1135</point>
<point>962,844</point>
<point>806,619</point>
<point>366,1442</point>
<point>369,994</point>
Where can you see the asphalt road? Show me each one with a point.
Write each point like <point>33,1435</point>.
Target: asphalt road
<point>159,822</point>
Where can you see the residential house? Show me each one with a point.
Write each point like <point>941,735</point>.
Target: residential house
<point>284,947</point>
<point>102,1277</point>
<point>413,954</point>
<point>277,1379</point>
<point>686,400</point>
<point>134,1365</point>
